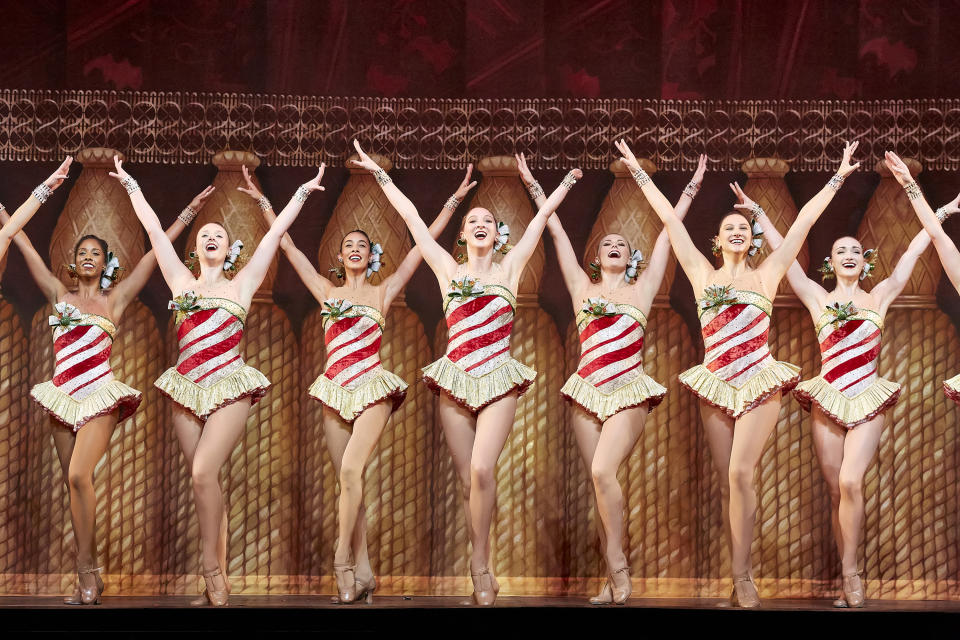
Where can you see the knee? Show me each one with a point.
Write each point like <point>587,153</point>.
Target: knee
<point>481,475</point>
<point>350,477</point>
<point>203,475</point>
<point>78,480</point>
<point>603,475</point>
<point>740,477</point>
<point>851,484</point>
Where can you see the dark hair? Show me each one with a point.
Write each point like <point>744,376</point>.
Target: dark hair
<point>361,232</point>
<point>736,212</point>
<point>90,236</point>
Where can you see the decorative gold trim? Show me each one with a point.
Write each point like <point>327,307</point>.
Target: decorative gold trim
<point>846,411</point>
<point>351,403</point>
<point>641,390</point>
<point>744,296</point>
<point>74,414</point>
<point>201,402</point>
<point>779,376</point>
<point>622,309</point>
<point>230,307</point>
<point>506,295</point>
<point>862,314</point>
<point>476,392</point>
<point>372,313</point>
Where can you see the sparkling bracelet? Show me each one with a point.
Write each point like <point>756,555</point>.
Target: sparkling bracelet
<point>187,215</point>
<point>382,178</point>
<point>692,189</point>
<point>301,194</point>
<point>641,177</point>
<point>452,203</point>
<point>568,180</point>
<point>756,211</point>
<point>42,192</point>
<point>535,190</point>
<point>942,214</point>
<point>836,181</point>
<point>2,207</point>
<point>130,184</point>
<point>913,190</point>
<point>264,204</point>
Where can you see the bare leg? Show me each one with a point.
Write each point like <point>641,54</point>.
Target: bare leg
<point>63,441</point>
<point>459,430</point>
<point>586,429</point>
<point>366,432</point>
<point>718,427</point>
<point>220,434</point>
<point>828,439</point>
<point>859,448</point>
<point>91,443</point>
<point>750,435</point>
<point>494,423</point>
<point>617,439</point>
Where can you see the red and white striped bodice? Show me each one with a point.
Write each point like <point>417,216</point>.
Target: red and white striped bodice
<point>849,350</point>
<point>611,347</point>
<point>82,355</point>
<point>209,340</point>
<point>735,337</point>
<point>478,329</point>
<point>353,346</point>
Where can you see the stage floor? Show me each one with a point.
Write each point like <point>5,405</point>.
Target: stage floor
<point>449,616</point>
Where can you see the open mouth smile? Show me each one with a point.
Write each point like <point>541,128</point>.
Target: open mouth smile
<point>354,258</point>
<point>849,264</point>
<point>614,254</point>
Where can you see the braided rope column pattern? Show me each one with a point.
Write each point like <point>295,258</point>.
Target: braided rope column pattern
<point>14,406</point>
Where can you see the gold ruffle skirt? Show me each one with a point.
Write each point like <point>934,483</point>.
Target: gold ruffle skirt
<point>245,382</point>
<point>641,390</point>
<point>476,392</point>
<point>350,404</point>
<point>75,413</point>
<point>951,387</point>
<point>779,376</point>
<point>845,411</point>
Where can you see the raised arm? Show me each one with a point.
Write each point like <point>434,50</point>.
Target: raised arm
<point>128,288</point>
<point>49,284</point>
<point>252,274</point>
<point>515,261</point>
<point>176,275</point>
<point>318,285</point>
<point>573,275</point>
<point>946,249</point>
<point>808,291</point>
<point>694,264</point>
<point>397,280</point>
<point>439,259</point>
<point>776,264</point>
<point>13,224</point>
<point>889,288</point>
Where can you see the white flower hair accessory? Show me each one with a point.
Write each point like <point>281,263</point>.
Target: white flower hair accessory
<point>869,262</point>
<point>633,265</point>
<point>232,255</point>
<point>503,237</point>
<point>111,273</point>
<point>67,315</point>
<point>375,263</point>
<point>757,243</point>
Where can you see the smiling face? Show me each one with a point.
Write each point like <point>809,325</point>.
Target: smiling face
<point>846,256</point>
<point>613,252</point>
<point>355,250</point>
<point>212,243</point>
<point>735,233</point>
<point>90,256</point>
<point>479,228</point>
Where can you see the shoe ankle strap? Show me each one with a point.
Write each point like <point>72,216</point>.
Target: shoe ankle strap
<point>213,573</point>
<point>88,570</point>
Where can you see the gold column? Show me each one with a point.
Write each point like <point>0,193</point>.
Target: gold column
<point>397,479</point>
<point>660,498</point>
<point>793,514</point>
<point>259,481</point>
<point>909,547</point>
<point>129,510</point>
<point>527,529</point>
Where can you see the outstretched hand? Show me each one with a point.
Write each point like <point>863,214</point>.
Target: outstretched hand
<point>465,185</point>
<point>845,167</point>
<point>897,167</point>
<point>251,189</point>
<point>701,169</point>
<point>197,203</point>
<point>743,200</point>
<point>58,176</point>
<point>365,161</point>
<point>119,174</point>
<point>525,173</point>
<point>314,185</point>
<point>628,158</point>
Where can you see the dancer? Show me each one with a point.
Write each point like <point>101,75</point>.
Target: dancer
<point>848,400</point>
<point>739,384</point>
<point>83,400</point>
<point>933,225</point>
<point>357,394</point>
<point>477,381</point>
<point>211,388</point>
<point>13,224</point>
<point>610,393</point>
